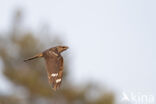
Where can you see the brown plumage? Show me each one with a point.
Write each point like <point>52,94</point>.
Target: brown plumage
<point>54,62</point>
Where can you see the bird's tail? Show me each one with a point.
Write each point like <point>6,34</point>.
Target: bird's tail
<point>34,57</point>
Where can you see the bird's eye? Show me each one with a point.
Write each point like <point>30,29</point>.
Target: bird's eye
<point>63,47</point>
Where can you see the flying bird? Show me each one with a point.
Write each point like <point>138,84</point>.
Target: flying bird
<point>54,63</point>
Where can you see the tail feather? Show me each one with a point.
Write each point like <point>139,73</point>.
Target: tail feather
<point>34,57</point>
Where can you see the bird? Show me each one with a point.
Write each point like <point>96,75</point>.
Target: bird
<point>54,63</point>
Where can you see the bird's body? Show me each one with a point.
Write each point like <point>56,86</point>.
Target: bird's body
<point>54,63</point>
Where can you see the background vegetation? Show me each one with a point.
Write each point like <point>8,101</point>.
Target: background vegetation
<point>29,80</point>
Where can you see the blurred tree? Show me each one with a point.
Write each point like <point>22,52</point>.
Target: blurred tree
<point>30,80</point>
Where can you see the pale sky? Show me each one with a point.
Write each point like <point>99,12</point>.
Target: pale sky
<point>111,42</point>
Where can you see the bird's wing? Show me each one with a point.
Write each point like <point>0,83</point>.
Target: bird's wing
<point>55,71</point>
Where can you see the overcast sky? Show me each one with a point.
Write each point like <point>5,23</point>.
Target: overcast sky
<point>111,42</point>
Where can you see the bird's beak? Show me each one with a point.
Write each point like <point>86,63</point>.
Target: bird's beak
<point>34,57</point>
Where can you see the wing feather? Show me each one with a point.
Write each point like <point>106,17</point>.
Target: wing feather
<point>55,71</point>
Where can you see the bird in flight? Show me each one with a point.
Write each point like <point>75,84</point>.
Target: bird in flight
<point>54,63</point>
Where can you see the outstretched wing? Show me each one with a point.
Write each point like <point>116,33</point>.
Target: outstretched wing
<point>55,70</point>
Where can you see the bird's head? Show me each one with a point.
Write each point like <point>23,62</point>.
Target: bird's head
<point>61,48</point>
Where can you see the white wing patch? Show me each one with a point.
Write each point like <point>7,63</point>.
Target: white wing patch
<point>54,74</point>
<point>58,80</point>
